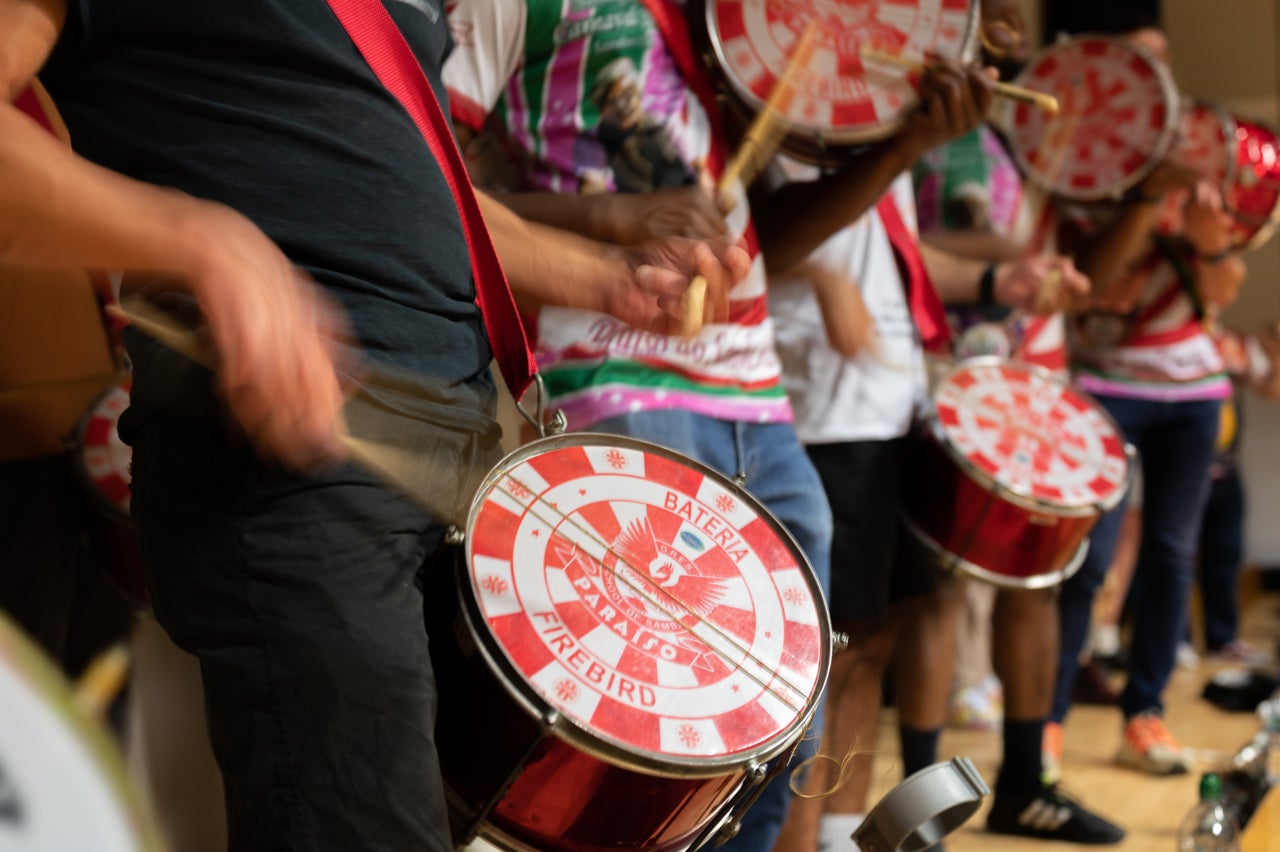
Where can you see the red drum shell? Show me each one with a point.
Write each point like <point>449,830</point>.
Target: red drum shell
<point>968,527</point>
<point>1011,473</point>
<point>1118,117</point>
<point>1253,196</point>
<point>842,102</point>
<point>635,639</point>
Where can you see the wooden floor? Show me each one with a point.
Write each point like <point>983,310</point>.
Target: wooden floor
<point>1148,808</point>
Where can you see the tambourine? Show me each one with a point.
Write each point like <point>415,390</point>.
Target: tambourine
<point>843,98</point>
<point>1117,121</point>
<point>1252,196</point>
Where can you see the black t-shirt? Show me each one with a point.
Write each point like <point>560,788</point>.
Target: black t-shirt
<point>266,106</point>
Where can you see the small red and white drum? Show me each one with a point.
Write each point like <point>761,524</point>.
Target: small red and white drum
<point>63,785</point>
<point>1253,196</point>
<point>1014,469</point>
<point>636,638</point>
<point>1118,118</point>
<point>1206,144</point>
<point>103,460</point>
<point>843,97</point>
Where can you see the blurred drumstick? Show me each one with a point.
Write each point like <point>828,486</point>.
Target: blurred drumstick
<point>757,146</point>
<point>1044,100</point>
<point>102,680</point>
<point>770,125</point>
<point>417,474</point>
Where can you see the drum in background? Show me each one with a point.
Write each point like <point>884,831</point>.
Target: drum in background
<point>102,461</point>
<point>1206,144</point>
<point>1253,196</point>
<point>1118,118</point>
<point>635,639</point>
<point>1014,468</point>
<point>843,98</point>
<point>63,786</point>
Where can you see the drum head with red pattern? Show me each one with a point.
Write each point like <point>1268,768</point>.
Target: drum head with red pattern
<point>647,599</point>
<point>1117,118</point>
<point>1019,427</point>
<point>1253,197</point>
<point>105,458</point>
<point>1206,144</point>
<point>841,97</point>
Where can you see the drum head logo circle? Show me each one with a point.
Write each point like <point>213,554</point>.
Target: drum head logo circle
<point>646,601</point>
<point>843,96</point>
<point>1033,435</point>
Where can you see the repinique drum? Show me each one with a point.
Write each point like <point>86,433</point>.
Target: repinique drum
<point>636,639</point>
<point>1253,197</point>
<point>103,460</point>
<point>843,98</point>
<point>63,786</point>
<point>1014,468</point>
<point>1118,118</point>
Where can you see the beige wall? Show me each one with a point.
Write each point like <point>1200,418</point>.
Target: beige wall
<point>1225,51</point>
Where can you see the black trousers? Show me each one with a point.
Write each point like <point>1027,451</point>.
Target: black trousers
<point>302,598</point>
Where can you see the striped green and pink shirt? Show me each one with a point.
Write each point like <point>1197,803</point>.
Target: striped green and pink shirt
<point>592,100</point>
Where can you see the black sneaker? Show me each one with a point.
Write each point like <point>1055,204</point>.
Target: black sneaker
<point>1048,814</point>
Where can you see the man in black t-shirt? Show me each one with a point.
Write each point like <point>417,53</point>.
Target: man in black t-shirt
<point>242,149</point>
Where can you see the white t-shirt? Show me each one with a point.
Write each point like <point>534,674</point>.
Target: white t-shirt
<point>874,395</point>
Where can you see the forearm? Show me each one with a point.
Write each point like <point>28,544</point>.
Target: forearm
<point>796,218</point>
<point>59,210</point>
<point>956,279</point>
<point>547,265</point>
<point>1106,258</point>
<point>582,214</point>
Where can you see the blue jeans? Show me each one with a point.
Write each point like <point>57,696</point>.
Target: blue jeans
<point>1221,554</point>
<point>779,475</point>
<point>1175,441</point>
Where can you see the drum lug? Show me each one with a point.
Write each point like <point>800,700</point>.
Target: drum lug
<point>740,479</point>
<point>839,641</point>
<point>454,536</point>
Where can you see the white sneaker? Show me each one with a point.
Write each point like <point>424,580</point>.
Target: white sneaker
<point>1187,656</point>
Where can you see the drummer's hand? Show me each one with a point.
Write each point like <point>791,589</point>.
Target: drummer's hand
<point>1205,223</point>
<point>1042,283</point>
<point>630,219</point>
<point>660,274</point>
<point>275,337</point>
<point>953,101</point>
<point>1167,177</point>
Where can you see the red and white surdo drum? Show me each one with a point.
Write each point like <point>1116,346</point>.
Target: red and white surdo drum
<point>843,97</point>
<point>1014,469</point>
<point>1118,118</point>
<point>1253,195</point>
<point>102,461</point>
<point>636,638</point>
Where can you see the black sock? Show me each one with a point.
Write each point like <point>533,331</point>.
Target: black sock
<point>1023,765</point>
<point>919,749</point>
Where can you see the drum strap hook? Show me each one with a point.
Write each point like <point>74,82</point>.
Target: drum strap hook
<point>537,419</point>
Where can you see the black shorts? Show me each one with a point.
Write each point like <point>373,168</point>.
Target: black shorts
<point>869,568</point>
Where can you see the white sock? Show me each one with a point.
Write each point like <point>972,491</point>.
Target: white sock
<point>835,832</point>
<point>1105,639</point>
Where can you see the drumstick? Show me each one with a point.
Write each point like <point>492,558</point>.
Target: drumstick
<point>1044,100</point>
<point>757,146</point>
<point>102,680</point>
<point>411,473</point>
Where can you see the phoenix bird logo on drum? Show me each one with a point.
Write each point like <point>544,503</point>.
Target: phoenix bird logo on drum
<point>639,549</point>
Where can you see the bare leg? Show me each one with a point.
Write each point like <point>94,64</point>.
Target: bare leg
<point>1026,651</point>
<point>925,655</point>
<point>849,740</point>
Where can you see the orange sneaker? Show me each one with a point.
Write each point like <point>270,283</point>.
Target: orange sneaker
<point>1051,752</point>
<point>1149,746</point>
